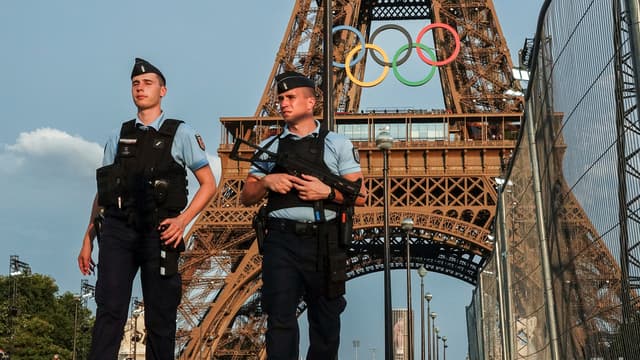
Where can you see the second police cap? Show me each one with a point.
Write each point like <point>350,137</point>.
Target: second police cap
<point>290,80</point>
<point>142,66</point>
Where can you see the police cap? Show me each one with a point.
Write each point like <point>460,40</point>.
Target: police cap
<point>142,66</point>
<point>290,80</point>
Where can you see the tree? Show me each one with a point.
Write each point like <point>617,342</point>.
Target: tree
<point>44,322</point>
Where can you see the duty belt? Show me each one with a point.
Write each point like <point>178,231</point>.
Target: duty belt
<point>295,227</point>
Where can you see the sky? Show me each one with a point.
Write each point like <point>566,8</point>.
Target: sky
<point>65,87</point>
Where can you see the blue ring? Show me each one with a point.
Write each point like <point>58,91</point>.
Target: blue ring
<point>360,37</point>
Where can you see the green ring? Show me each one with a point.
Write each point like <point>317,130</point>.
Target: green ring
<point>396,73</point>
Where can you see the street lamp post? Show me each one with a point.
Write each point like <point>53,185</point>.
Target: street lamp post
<point>444,348</point>
<point>407,226</point>
<point>428,297</point>
<point>422,272</point>
<point>437,343</point>
<point>433,334</point>
<point>384,141</point>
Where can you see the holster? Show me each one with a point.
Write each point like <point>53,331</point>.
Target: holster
<point>259,224</point>
<point>97,224</point>
<point>169,257</point>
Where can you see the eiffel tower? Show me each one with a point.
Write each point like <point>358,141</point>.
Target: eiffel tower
<point>441,168</point>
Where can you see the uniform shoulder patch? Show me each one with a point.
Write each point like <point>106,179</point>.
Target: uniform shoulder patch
<point>356,155</point>
<point>200,142</point>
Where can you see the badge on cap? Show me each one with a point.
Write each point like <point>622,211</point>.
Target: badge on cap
<point>200,141</point>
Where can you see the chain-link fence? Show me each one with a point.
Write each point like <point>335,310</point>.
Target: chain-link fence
<point>564,281</point>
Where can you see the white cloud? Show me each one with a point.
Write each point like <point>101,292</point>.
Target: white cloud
<point>46,150</point>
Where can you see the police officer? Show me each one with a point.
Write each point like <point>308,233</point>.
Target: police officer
<point>295,250</point>
<point>142,191</point>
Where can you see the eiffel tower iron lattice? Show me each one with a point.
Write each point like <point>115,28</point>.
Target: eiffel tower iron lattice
<point>444,182</point>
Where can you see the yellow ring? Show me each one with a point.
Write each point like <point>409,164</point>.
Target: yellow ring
<point>375,82</point>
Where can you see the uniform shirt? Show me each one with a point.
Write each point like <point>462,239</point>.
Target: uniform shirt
<point>339,155</point>
<point>185,149</point>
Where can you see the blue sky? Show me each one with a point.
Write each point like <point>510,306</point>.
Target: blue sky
<point>64,72</point>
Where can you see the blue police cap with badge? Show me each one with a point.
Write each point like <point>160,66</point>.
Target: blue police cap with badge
<point>142,66</point>
<point>290,80</point>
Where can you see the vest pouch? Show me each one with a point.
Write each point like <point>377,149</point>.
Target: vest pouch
<point>175,198</point>
<point>109,180</point>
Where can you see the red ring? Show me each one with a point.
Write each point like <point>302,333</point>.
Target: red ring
<point>447,60</point>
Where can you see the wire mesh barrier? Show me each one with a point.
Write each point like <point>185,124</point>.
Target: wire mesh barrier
<point>565,276</point>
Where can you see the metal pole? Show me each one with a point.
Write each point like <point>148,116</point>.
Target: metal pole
<point>544,249</point>
<point>437,344</point>
<point>327,74</point>
<point>434,335</point>
<point>422,272</point>
<point>384,143</point>
<point>428,296</point>
<point>501,298</point>
<point>388,319</point>
<point>444,348</point>
<point>407,226</point>
<point>421,318</point>
<point>506,269</point>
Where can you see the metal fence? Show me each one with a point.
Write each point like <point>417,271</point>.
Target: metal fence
<point>564,281</point>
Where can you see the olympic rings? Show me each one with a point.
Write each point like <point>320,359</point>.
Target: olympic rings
<point>455,51</point>
<point>396,60</point>
<point>353,78</point>
<point>400,77</point>
<point>395,27</point>
<point>360,38</point>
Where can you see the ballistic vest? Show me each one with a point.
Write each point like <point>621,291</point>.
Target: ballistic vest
<point>311,149</point>
<point>145,184</point>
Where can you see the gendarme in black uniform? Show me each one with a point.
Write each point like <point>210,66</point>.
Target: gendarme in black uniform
<point>302,259</point>
<point>141,187</point>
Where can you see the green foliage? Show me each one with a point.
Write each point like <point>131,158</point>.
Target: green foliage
<point>45,321</point>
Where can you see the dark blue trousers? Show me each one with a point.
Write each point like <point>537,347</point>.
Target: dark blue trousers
<point>123,250</point>
<point>290,274</point>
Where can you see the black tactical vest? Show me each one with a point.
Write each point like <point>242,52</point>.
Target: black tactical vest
<point>144,183</point>
<point>310,148</point>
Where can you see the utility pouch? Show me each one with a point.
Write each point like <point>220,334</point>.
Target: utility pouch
<point>336,262</point>
<point>259,225</point>
<point>337,274</point>
<point>345,227</point>
<point>110,186</point>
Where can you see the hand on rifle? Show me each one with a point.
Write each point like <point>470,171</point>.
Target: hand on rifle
<point>281,183</point>
<point>310,188</point>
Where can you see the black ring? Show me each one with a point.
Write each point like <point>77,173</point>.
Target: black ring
<point>383,28</point>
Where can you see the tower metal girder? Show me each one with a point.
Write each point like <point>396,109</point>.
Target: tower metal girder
<point>479,80</point>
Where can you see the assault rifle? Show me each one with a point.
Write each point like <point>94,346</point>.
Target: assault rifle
<point>297,166</point>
